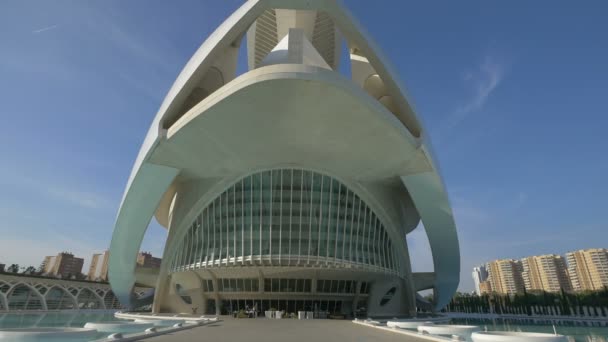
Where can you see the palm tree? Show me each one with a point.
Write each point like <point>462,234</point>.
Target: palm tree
<point>29,270</point>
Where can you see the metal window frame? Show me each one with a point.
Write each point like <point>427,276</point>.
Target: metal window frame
<point>242,222</point>
<point>310,215</point>
<point>206,227</point>
<point>214,237</point>
<point>352,223</point>
<point>235,251</point>
<point>337,222</point>
<point>375,263</point>
<point>320,223</point>
<point>358,228</point>
<point>329,204</point>
<point>280,214</point>
<point>270,218</point>
<point>301,209</point>
<point>290,215</point>
<point>261,215</point>
<point>251,219</point>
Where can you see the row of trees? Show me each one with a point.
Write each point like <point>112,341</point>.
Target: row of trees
<point>31,270</point>
<point>591,303</point>
<point>14,268</point>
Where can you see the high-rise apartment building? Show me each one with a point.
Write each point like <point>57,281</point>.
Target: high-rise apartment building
<point>480,274</point>
<point>505,276</point>
<point>145,259</point>
<point>485,287</point>
<point>99,267</point>
<point>63,264</point>
<point>545,273</point>
<point>588,269</point>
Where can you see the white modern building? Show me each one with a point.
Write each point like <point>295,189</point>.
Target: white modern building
<point>292,185</point>
<point>480,274</point>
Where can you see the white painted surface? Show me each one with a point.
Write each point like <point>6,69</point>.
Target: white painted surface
<point>46,334</point>
<point>464,331</point>
<point>415,323</point>
<point>508,336</point>
<point>122,327</point>
<point>160,322</point>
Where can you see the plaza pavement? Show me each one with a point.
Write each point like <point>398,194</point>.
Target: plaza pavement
<point>282,330</point>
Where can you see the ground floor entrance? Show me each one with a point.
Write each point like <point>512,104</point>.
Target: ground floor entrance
<point>321,308</point>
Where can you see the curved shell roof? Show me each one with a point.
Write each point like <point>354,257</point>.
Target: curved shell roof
<point>367,123</point>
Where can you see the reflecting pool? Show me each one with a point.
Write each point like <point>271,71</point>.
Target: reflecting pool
<point>578,333</point>
<point>74,319</point>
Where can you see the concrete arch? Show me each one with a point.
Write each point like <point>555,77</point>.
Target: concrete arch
<point>4,287</point>
<point>88,299</point>
<point>54,303</point>
<point>73,291</point>
<point>19,298</point>
<point>42,288</point>
<point>3,303</point>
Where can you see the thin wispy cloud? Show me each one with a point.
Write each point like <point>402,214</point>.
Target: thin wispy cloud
<point>82,199</point>
<point>55,189</point>
<point>484,81</point>
<point>44,29</point>
<point>481,81</point>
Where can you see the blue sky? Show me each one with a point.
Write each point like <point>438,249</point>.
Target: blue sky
<point>512,93</point>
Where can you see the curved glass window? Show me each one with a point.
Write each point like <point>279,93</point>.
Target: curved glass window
<point>88,299</point>
<point>286,217</point>
<point>59,299</point>
<point>24,297</point>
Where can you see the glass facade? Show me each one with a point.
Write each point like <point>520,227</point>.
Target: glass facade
<point>88,299</point>
<point>28,296</point>
<point>286,217</point>
<point>287,285</point>
<point>236,285</point>
<point>24,297</point>
<point>320,308</point>
<point>58,298</point>
<point>341,286</point>
<point>110,301</point>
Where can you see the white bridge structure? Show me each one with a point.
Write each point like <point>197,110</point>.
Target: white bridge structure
<point>19,293</point>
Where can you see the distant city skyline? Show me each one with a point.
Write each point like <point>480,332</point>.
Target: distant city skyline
<point>94,267</point>
<point>520,147</point>
<point>584,270</point>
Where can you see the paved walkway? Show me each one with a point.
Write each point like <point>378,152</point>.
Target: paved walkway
<point>283,330</point>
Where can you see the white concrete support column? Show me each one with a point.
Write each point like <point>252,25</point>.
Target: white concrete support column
<point>260,281</point>
<point>356,298</point>
<point>137,208</point>
<point>431,201</point>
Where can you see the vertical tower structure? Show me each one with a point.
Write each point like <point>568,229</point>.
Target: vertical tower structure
<point>546,273</point>
<point>480,274</point>
<point>588,269</point>
<point>290,186</point>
